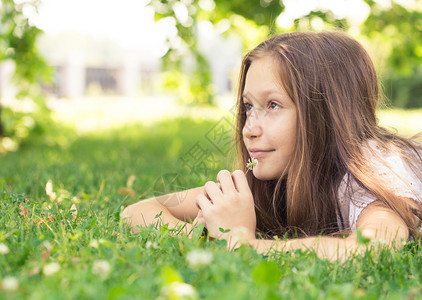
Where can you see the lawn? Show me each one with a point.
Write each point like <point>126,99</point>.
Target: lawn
<point>49,250</point>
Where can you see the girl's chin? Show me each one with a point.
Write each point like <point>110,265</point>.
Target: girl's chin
<point>259,174</point>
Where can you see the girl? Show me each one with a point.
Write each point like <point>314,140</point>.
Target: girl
<point>306,112</point>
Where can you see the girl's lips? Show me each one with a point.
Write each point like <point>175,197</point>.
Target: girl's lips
<point>259,153</point>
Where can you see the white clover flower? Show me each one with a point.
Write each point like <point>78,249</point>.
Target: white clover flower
<point>252,162</point>
<point>10,283</point>
<point>180,290</point>
<point>197,258</point>
<point>93,244</point>
<point>48,187</point>
<point>49,191</point>
<point>51,268</point>
<point>47,245</point>
<point>52,196</point>
<point>151,245</point>
<point>104,242</point>
<point>4,249</point>
<point>101,267</point>
<point>9,144</point>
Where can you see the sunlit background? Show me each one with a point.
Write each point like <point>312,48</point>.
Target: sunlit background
<point>115,61</point>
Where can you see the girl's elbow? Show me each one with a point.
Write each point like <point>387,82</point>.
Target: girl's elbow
<point>133,210</point>
<point>126,214</point>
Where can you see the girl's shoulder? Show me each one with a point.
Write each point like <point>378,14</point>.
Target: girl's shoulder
<point>389,167</point>
<point>397,173</point>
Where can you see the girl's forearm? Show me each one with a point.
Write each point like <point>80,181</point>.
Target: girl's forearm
<point>325,247</point>
<point>379,225</point>
<point>147,212</point>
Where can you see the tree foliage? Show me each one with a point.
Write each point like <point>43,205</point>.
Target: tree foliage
<point>396,28</point>
<point>399,30</point>
<point>18,39</point>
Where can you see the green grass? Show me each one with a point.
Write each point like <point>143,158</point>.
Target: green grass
<point>89,170</point>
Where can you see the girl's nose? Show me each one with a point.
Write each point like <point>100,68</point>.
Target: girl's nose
<point>253,126</point>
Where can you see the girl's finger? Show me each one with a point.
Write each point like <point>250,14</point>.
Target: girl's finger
<point>203,202</point>
<point>213,191</point>
<point>226,182</point>
<point>240,181</point>
<point>198,221</point>
<point>199,218</point>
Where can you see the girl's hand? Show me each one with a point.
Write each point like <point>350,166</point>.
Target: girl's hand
<point>230,206</point>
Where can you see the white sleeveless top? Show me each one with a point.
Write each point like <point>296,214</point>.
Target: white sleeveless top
<point>395,173</point>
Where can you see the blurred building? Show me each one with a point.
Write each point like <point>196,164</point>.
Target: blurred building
<point>83,66</point>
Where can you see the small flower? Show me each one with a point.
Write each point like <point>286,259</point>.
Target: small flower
<point>49,191</point>
<point>34,271</point>
<point>104,242</point>
<point>51,268</point>
<point>10,283</point>
<point>197,258</point>
<point>252,162</point>
<point>49,187</point>
<point>130,181</point>
<point>47,245</point>
<point>152,245</point>
<point>93,244</point>
<point>73,211</point>
<point>4,249</point>
<point>8,144</point>
<point>180,290</point>
<point>101,267</point>
<point>52,196</point>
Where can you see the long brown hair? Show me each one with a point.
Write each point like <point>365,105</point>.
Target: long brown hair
<point>333,83</point>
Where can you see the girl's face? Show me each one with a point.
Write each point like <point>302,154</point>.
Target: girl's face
<point>269,133</point>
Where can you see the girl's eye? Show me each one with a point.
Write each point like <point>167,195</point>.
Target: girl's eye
<point>273,105</point>
<point>247,107</point>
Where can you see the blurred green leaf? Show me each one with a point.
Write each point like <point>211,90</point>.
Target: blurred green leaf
<point>266,273</point>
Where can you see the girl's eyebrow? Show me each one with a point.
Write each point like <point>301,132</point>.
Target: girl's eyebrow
<point>249,96</point>
<point>245,95</point>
